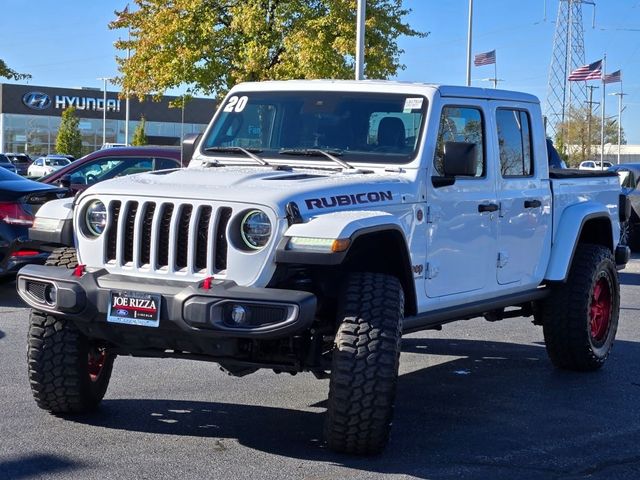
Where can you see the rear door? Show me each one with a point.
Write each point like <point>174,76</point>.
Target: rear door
<point>524,196</point>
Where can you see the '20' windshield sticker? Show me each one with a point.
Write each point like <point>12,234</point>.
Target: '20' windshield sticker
<point>236,104</point>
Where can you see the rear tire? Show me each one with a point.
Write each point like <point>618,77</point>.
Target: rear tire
<point>365,364</point>
<point>580,317</point>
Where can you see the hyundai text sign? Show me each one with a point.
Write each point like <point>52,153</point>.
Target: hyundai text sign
<point>42,101</point>
<point>37,100</point>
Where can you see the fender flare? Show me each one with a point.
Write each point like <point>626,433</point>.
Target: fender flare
<point>569,230</point>
<point>336,225</point>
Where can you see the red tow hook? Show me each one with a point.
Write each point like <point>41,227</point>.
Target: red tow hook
<point>207,283</point>
<point>79,270</point>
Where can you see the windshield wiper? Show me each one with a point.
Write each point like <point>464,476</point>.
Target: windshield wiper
<point>317,152</point>
<point>248,152</point>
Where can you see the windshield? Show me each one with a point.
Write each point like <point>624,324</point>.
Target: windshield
<point>362,127</point>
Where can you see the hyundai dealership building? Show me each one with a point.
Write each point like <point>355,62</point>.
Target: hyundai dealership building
<point>30,117</point>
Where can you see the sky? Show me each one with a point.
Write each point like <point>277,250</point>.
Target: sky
<point>67,43</point>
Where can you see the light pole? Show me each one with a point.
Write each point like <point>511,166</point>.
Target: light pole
<point>620,110</point>
<point>104,108</point>
<point>360,20</point>
<point>469,35</point>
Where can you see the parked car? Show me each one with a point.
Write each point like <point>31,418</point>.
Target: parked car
<point>21,162</point>
<point>45,165</point>
<point>594,165</point>
<point>555,160</point>
<point>629,176</point>
<point>7,164</point>
<point>362,212</point>
<point>19,200</point>
<point>111,163</point>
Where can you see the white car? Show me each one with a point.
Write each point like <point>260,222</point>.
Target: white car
<point>594,165</point>
<point>45,165</point>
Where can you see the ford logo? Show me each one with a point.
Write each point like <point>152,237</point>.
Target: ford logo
<point>122,313</point>
<point>36,100</point>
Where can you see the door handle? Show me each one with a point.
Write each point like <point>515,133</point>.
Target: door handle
<point>488,207</point>
<point>532,204</point>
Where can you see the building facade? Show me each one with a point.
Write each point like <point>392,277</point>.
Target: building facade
<point>30,117</point>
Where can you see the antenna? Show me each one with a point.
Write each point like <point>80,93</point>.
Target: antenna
<point>567,55</point>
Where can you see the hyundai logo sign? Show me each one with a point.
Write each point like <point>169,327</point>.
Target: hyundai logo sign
<point>37,100</point>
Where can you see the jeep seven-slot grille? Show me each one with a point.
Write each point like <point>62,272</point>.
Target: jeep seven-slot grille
<point>161,236</point>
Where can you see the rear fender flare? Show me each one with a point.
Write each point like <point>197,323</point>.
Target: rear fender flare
<point>569,230</point>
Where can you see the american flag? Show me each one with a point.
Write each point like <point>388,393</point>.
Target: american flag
<point>593,71</point>
<point>486,58</point>
<point>613,77</point>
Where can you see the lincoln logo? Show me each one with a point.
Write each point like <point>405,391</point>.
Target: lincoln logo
<point>37,100</point>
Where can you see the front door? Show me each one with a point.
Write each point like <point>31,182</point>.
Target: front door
<point>461,233</point>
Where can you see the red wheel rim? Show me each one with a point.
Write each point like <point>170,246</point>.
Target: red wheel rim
<point>96,361</point>
<point>600,310</point>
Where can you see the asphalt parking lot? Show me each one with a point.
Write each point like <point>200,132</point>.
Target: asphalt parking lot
<point>477,400</point>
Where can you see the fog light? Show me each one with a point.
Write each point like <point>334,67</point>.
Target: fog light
<point>239,314</point>
<point>50,295</point>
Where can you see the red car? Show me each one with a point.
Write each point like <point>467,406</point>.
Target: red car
<point>113,162</point>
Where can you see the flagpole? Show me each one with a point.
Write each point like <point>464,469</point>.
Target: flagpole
<point>604,69</point>
<point>495,73</point>
<point>469,34</point>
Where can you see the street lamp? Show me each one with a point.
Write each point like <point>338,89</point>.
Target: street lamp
<point>620,110</point>
<point>362,5</point>
<point>104,108</point>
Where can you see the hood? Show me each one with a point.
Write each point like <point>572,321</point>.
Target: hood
<point>312,190</point>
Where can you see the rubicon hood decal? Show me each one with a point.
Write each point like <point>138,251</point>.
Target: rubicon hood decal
<point>350,199</point>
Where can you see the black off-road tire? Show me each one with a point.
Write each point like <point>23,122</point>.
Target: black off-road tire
<point>365,363</point>
<point>580,317</point>
<point>68,372</point>
<point>63,257</point>
<point>630,233</point>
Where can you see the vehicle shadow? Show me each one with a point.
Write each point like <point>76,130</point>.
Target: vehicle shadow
<point>35,466</point>
<point>629,278</point>
<point>8,294</point>
<point>497,411</point>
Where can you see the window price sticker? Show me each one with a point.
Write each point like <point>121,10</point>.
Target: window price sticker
<point>413,103</point>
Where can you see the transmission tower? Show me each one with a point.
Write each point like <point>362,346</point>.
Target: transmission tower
<point>567,55</point>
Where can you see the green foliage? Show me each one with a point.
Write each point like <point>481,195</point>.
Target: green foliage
<point>581,131</point>
<point>69,139</point>
<point>213,44</point>
<point>6,72</point>
<point>139,136</point>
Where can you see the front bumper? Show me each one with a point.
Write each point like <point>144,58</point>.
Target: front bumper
<point>189,313</point>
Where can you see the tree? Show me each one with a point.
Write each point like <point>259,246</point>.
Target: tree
<point>139,136</point>
<point>6,72</point>
<point>581,131</point>
<point>213,44</point>
<point>69,139</point>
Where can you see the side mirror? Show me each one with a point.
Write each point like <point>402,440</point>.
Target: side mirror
<point>460,159</point>
<point>65,181</point>
<point>189,144</point>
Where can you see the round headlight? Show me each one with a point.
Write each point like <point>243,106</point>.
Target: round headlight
<point>96,217</point>
<point>255,229</point>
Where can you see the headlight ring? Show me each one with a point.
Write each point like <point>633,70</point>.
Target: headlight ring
<point>95,218</point>
<point>255,229</point>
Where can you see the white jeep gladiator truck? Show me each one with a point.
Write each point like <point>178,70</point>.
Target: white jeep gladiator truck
<point>318,222</point>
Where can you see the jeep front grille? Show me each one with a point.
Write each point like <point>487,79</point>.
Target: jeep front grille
<point>167,237</point>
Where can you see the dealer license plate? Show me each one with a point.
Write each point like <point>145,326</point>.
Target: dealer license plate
<point>134,308</point>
